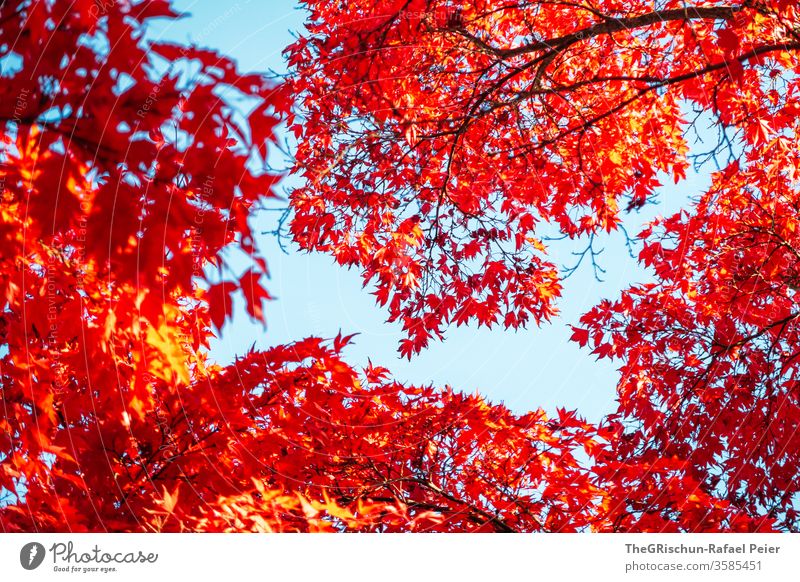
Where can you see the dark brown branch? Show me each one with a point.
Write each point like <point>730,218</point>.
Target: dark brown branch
<point>610,26</point>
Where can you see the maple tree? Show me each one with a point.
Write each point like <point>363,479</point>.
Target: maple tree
<point>440,139</point>
<point>128,173</point>
<point>437,139</point>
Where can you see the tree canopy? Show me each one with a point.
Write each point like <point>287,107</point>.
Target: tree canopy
<point>437,141</point>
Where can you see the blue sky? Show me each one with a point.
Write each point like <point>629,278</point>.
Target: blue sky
<point>526,369</point>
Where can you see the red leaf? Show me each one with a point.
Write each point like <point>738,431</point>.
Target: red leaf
<point>220,303</point>
<point>580,335</point>
<point>254,294</point>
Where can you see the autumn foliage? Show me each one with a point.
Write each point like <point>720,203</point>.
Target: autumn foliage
<point>437,141</point>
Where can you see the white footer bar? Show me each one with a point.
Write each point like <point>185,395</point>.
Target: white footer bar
<point>408,557</point>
